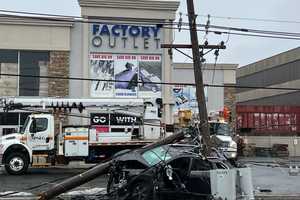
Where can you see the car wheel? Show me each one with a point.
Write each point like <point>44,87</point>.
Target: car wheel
<point>141,190</point>
<point>16,163</point>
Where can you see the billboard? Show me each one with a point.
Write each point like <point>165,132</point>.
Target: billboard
<point>150,76</point>
<point>127,76</point>
<point>102,68</point>
<point>185,98</point>
<point>126,59</point>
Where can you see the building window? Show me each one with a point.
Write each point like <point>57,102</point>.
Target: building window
<point>11,122</point>
<point>33,63</point>
<point>9,118</point>
<point>9,65</point>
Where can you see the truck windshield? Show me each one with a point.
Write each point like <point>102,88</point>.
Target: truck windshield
<point>219,129</point>
<point>25,125</point>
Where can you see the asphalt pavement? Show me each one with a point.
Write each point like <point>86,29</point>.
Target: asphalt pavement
<point>270,176</point>
<point>38,180</point>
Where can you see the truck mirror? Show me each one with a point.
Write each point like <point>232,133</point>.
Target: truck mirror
<point>33,126</point>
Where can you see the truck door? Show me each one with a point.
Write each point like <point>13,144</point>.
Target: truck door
<point>38,138</point>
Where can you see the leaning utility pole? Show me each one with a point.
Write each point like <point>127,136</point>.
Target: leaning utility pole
<point>204,126</point>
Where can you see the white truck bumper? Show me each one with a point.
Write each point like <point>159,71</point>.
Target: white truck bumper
<point>230,153</point>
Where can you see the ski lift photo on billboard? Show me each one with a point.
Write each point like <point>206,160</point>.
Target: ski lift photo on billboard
<point>129,75</point>
<point>103,70</point>
<point>150,76</point>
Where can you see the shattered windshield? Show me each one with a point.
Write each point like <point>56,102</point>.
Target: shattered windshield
<point>156,155</point>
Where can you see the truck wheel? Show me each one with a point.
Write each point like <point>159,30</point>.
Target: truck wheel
<point>16,163</point>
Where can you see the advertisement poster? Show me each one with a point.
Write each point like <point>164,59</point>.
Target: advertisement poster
<point>125,71</point>
<point>185,98</point>
<point>126,75</point>
<point>102,68</point>
<point>150,75</point>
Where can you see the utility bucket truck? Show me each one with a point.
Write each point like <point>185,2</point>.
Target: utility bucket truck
<point>222,134</point>
<point>39,143</point>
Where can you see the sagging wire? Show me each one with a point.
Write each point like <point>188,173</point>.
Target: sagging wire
<point>228,37</point>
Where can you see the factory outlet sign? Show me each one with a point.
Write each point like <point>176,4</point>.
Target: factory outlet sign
<point>123,36</point>
<point>126,59</point>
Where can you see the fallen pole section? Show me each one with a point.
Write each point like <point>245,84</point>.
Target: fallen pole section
<point>75,181</point>
<point>98,170</point>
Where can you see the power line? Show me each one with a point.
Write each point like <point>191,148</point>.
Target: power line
<point>253,30</point>
<point>212,16</point>
<point>161,25</point>
<point>84,20</point>
<point>73,18</point>
<point>245,34</point>
<point>253,19</point>
<point>159,83</point>
<point>87,21</point>
<point>41,14</point>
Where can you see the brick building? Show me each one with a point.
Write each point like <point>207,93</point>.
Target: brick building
<point>32,47</point>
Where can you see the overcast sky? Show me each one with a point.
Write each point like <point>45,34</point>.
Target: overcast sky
<point>240,49</point>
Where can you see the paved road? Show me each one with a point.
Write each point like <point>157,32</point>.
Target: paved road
<point>275,179</point>
<point>46,177</point>
<point>266,176</point>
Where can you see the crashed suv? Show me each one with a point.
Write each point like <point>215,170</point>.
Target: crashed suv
<point>173,171</point>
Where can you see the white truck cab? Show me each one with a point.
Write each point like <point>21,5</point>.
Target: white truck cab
<point>220,130</point>
<point>36,136</point>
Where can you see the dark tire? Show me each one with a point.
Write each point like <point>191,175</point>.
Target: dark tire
<point>141,190</point>
<point>16,163</point>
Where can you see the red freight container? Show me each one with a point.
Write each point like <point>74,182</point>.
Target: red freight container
<point>270,120</point>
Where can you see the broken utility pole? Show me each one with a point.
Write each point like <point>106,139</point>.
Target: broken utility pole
<point>197,60</point>
<point>204,126</point>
